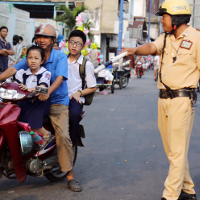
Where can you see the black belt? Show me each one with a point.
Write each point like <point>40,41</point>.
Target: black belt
<point>165,94</point>
<point>2,70</point>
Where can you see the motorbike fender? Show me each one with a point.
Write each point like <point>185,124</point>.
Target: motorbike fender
<point>9,114</point>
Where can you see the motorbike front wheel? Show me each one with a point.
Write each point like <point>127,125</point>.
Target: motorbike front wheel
<point>138,73</point>
<point>125,81</point>
<point>57,174</point>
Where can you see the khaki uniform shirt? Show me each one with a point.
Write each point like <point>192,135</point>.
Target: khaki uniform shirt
<point>184,73</point>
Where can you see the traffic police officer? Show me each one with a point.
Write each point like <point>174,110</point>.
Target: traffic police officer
<point>179,48</point>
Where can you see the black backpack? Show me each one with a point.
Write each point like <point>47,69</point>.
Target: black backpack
<point>89,97</point>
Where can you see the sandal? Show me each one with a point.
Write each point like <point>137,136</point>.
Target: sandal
<point>74,185</point>
<point>47,138</point>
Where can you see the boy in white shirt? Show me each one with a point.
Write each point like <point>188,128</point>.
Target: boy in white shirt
<point>76,43</point>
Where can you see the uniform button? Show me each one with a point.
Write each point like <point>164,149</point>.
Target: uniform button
<point>168,64</point>
<point>164,75</point>
<point>174,42</point>
<point>172,54</point>
<point>163,86</point>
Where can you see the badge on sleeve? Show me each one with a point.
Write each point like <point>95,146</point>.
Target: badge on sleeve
<point>47,75</point>
<point>186,44</point>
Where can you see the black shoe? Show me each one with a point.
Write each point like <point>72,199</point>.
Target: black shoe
<point>163,198</point>
<point>186,196</point>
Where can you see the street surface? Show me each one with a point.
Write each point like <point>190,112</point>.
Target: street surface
<point>123,157</point>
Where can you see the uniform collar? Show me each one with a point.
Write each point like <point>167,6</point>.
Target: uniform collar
<point>42,69</point>
<point>79,60</point>
<point>184,34</point>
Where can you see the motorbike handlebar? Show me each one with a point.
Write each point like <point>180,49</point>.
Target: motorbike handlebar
<point>116,58</point>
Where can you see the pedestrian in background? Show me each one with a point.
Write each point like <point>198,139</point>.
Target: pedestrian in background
<point>156,66</point>
<point>17,47</point>
<point>56,45</point>
<point>5,49</point>
<point>179,48</point>
<point>21,39</point>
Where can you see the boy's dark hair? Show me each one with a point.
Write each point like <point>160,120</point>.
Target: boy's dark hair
<point>15,39</point>
<point>37,48</point>
<point>78,33</point>
<point>3,27</point>
<point>21,38</point>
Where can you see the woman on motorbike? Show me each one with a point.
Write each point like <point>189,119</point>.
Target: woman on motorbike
<point>34,112</point>
<point>141,60</point>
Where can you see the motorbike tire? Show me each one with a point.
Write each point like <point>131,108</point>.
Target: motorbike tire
<point>138,73</point>
<point>113,86</point>
<point>60,176</point>
<point>120,83</point>
<point>125,81</point>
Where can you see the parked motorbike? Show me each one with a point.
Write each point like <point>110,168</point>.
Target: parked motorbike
<point>19,155</point>
<point>139,71</point>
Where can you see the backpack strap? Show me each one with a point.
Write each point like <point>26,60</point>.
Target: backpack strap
<point>24,77</point>
<point>39,76</point>
<point>82,72</point>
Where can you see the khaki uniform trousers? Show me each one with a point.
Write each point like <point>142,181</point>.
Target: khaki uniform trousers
<point>59,116</point>
<point>175,122</point>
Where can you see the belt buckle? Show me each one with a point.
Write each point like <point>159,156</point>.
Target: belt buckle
<point>163,94</point>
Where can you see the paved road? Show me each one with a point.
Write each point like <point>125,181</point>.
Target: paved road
<point>123,157</point>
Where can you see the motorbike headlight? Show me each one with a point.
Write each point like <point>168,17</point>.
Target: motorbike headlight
<point>10,94</point>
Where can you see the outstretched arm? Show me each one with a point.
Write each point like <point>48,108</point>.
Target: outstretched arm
<point>145,49</point>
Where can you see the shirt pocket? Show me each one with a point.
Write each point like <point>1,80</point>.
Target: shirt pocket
<point>185,56</point>
<point>184,52</point>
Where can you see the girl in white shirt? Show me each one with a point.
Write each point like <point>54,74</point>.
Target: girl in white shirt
<point>34,112</point>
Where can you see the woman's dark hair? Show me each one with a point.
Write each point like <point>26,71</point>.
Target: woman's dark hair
<point>21,38</point>
<point>78,33</point>
<point>15,39</point>
<point>3,27</point>
<point>36,48</point>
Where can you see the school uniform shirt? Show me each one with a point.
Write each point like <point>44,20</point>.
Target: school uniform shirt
<point>74,81</point>
<point>57,65</point>
<point>42,77</point>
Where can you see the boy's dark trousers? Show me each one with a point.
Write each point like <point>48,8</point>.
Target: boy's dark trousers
<point>75,109</point>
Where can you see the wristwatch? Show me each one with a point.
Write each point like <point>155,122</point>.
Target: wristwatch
<point>80,92</point>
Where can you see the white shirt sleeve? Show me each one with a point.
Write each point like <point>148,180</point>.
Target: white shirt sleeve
<point>19,75</point>
<point>89,75</point>
<point>45,79</point>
